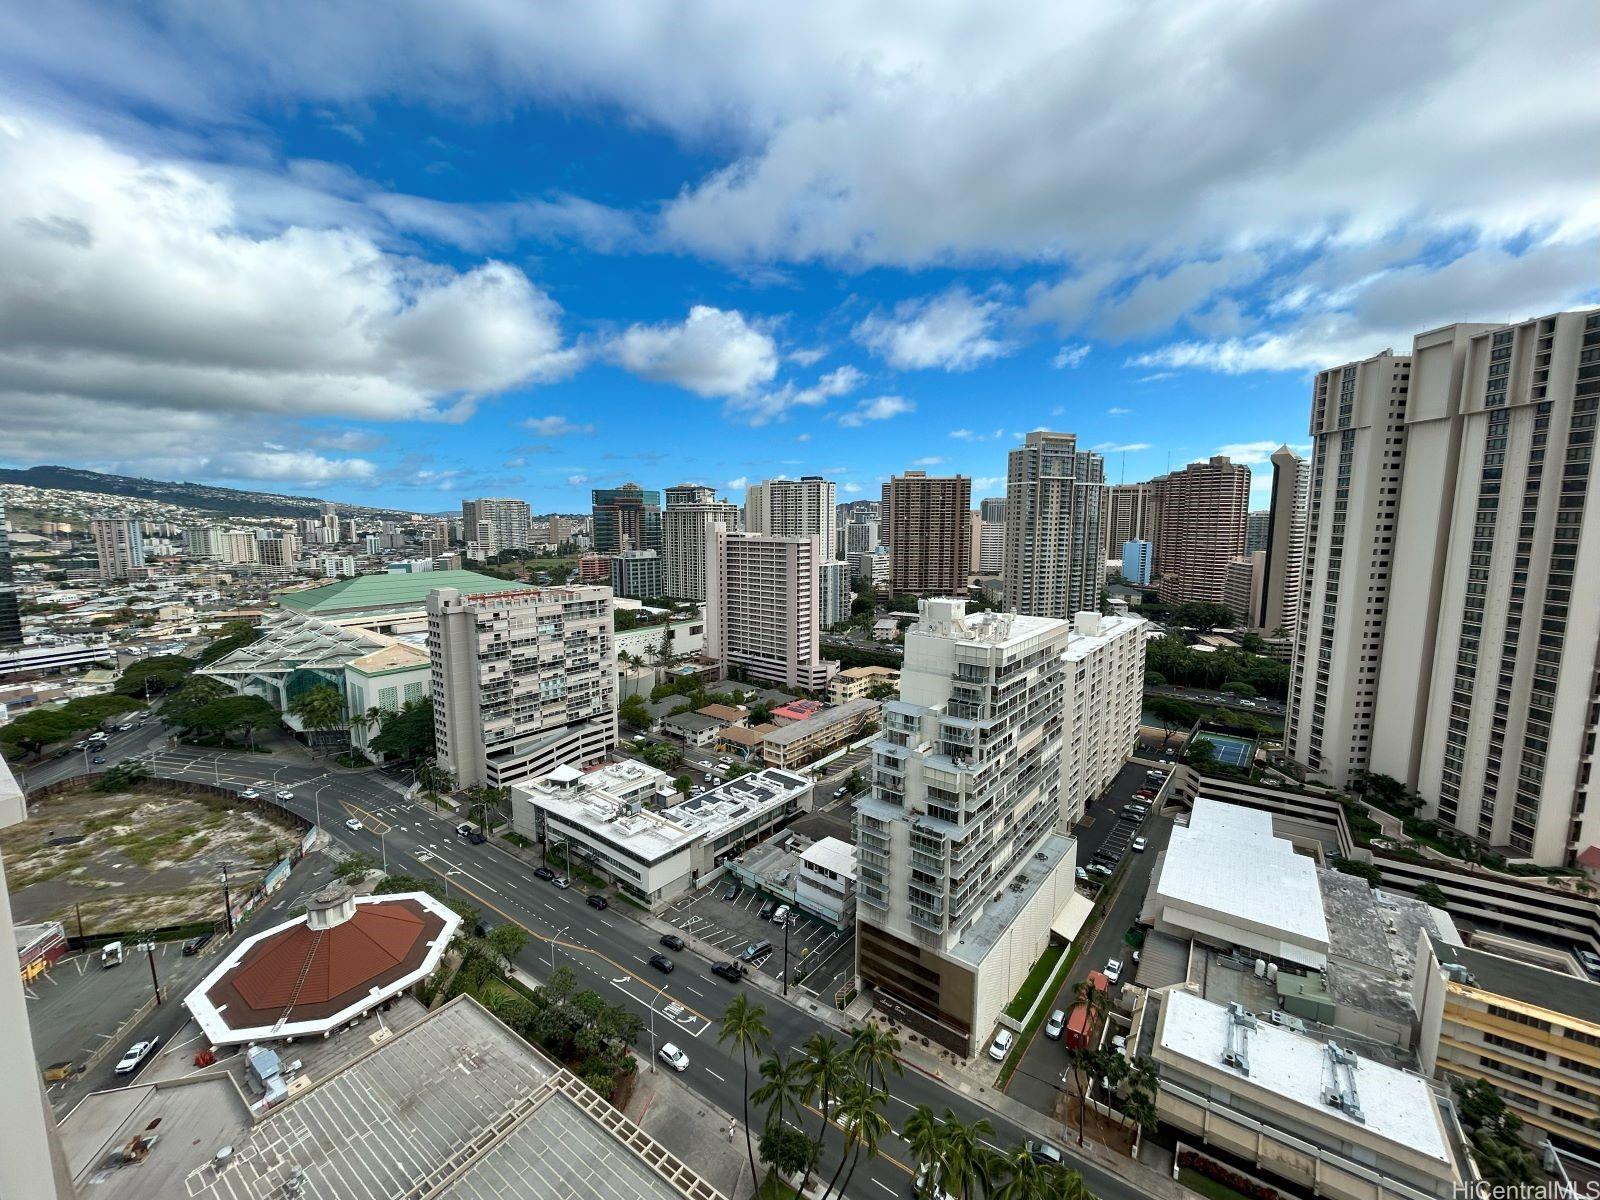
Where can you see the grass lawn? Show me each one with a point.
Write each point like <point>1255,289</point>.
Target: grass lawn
<point>1018,1008</point>
<point>1206,1186</point>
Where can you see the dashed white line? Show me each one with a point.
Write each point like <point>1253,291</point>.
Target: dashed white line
<point>713,1075</point>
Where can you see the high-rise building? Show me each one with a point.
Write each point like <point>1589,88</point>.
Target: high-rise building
<point>1197,527</point>
<point>1242,587</point>
<point>10,614</point>
<point>337,566</point>
<point>837,594</point>
<point>626,518</point>
<point>685,524</point>
<point>522,681</point>
<point>1285,543</point>
<point>989,537</point>
<point>636,574</point>
<point>118,546</point>
<point>1054,560</point>
<point>1127,516</point>
<point>1447,634</point>
<point>927,526</point>
<point>1256,522</point>
<point>497,524</point>
<point>281,551</point>
<point>764,607</point>
<point>801,507</point>
<point>992,510</point>
<point>1005,727</point>
<point>236,546</point>
<point>1136,562</point>
<point>861,536</point>
<point>870,568</point>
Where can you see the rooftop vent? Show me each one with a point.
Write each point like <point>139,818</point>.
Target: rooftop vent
<point>1236,1050</point>
<point>1340,1089</point>
<point>332,906</point>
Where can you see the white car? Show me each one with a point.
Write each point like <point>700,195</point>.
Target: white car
<point>352,823</point>
<point>250,794</point>
<point>1113,971</point>
<point>285,794</point>
<point>1001,1046</point>
<point>673,1057</point>
<point>562,882</point>
<point>1139,844</point>
<point>1056,1023</point>
<point>136,1055</point>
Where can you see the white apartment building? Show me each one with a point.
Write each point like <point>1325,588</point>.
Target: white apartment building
<point>1054,559</point>
<point>870,567</point>
<point>764,608</point>
<point>522,681</point>
<point>1285,543</point>
<point>837,595</point>
<point>118,546</point>
<point>498,523</point>
<point>281,551</point>
<point>825,884</point>
<point>626,819</point>
<point>685,524</point>
<point>1005,725</point>
<point>238,546</point>
<point>801,507</point>
<point>337,566</point>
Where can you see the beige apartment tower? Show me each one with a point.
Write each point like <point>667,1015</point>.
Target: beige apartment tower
<point>685,527</point>
<point>801,507</point>
<point>522,682</point>
<point>1197,518</point>
<point>1055,500</point>
<point>927,525</point>
<point>1127,517</point>
<point>1278,605</point>
<point>118,546</point>
<point>764,608</point>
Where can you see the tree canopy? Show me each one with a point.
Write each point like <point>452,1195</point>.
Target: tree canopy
<point>406,733</point>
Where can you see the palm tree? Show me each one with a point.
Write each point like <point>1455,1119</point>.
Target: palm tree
<point>923,1134</point>
<point>745,1025</point>
<point>319,709</point>
<point>371,719</point>
<point>435,779</point>
<point>827,1066</point>
<point>965,1158</point>
<point>875,1052</point>
<point>1081,1061</point>
<point>861,1117</point>
<point>783,1090</point>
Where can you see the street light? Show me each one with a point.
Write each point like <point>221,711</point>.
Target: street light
<point>551,944</point>
<point>658,990</point>
<point>227,905</point>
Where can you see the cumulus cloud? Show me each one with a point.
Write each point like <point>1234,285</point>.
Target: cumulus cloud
<point>739,484</point>
<point>954,331</point>
<point>1251,454</point>
<point>1070,356</point>
<point>774,405</point>
<point>880,408</point>
<point>928,460</point>
<point>713,352</point>
<point>131,294</point>
<point>554,426</point>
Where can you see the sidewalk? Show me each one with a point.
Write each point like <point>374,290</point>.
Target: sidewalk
<point>694,1129</point>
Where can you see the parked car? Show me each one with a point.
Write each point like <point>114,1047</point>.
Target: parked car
<point>136,1056</point>
<point>476,839</point>
<point>1113,970</point>
<point>767,909</point>
<point>1099,868</point>
<point>1001,1046</point>
<point>196,944</point>
<point>840,792</point>
<point>661,963</point>
<point>562,882</point>
<point>731,971</point>
<point>1043,1153</point>
<point>1145,793</point>
<point>1139,844</point>
<point>544,873</point>
<point>1055,1024</point>
<point>755,950</point>
<point>724,763</point>
<point>464,830</point>
<point>672,941</point>
<point>673,1057</point>
<point>731,891</point>
<point>781,915</point>
<point>599,902</point>
<point>352,823</point>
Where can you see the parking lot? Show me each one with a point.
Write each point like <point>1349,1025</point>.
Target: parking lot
<point>1114,830</point>
<point>821,958</point>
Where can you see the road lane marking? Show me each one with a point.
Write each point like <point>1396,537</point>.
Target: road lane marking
<point>713,1075</point>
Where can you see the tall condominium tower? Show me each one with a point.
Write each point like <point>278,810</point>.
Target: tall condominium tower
<point>1197,527</point>
<point>10,616</point>
<point>927,526</point>
<point>764,607</point>
<point>522,682</point>
<point>1054,559</point>
<point>498,523</point>
<point>801,507</point>
<point>685,525</point>
<point>1006,725</point>
<point>1127,517</point>
<point>118,545</point>
<point>626,518</point>
<point>1482,629</point>
<point>1255,529</point>
<point>989,537</point>
<point>1284,544</point>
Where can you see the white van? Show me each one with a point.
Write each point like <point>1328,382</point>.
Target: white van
<point>781,917</point>
<point>111,954</point>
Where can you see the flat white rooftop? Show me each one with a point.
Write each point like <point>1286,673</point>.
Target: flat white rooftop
<point>1396,1106</point>
<point>832,854</point>
<point>1227,877</point>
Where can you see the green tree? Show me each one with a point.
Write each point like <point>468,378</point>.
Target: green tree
<point>1083,1063</point>
<point>1202,752</point>
<point>962,1159</point>
<point>1432,895</point>
<point>483,800</point>
<point>788,1150</point>
<point>155,676</point>
<point>827,1066</point>
<point>635,713</point>
<point>319,709</point>
<point>406,734</point>
<point>874,1051</point>
<point>782,1090</point>
<point>745,1025</point>
<point>683,785</point>
<point>1501,1156</point>
<point>861,1117</point>
<point>506,942</point>
<point>1238,687</point>
<point>232,636</point>
<point>434,779</point>
<point>924,1135</point>
<point>1143,1078</point>
<point>1171,713</point>
<point>661,756</point>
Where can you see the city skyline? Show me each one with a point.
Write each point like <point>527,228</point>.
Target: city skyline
<point>406,280</point>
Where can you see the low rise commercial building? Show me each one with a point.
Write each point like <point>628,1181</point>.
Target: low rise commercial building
<point>855,683</point>
<point>641,836</point>
<point>800,742</point>
<point>826,883</point>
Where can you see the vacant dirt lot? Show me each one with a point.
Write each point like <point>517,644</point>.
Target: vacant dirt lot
<point>134,859</point>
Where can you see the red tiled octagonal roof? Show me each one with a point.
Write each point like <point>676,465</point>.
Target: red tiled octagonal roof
<point>303,974</point>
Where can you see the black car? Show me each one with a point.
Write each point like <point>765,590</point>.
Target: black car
<point>672,941</point>
<point>730,892</point>
<point>767,909</point>
<point>195,944</point>
<point>597,902</point>
<point>730,971</point>
<point>544,873</point>
<point>476,839</point>
<point>99,761</point>
<point>661,963</point>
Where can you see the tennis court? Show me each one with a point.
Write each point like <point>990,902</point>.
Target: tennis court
<point>1231,751</point>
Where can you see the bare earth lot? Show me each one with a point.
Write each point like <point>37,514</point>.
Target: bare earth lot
<point>134,859</point>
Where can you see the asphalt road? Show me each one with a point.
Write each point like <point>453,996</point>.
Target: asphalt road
<point>608,951</point>
<point>1260,705</point>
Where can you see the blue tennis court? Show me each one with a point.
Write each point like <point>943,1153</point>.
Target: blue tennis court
<point>1231,751</point>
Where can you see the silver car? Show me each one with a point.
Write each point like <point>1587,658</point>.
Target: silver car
<point>1056,1023</point>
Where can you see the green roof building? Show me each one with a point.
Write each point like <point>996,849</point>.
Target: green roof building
<point>388,593</point>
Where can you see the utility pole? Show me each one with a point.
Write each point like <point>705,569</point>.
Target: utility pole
<point>150,953</point>
<point>227,905</point>
<point>786,922</point>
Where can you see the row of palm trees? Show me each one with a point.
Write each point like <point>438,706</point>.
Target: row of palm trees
<point>847,1085</point>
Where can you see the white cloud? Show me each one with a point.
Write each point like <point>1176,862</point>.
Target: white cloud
<point>1251,454</point>
<point>880,408</point>
<point>851,488</point>
<point>986,483</point>
<point>714,352</point>
<point>953,331</point>
<point>1115,411</point>
<point>804,437</point>
<point>807,357</point>
<point>288,466</point>
<point>577,480</point>
<point>1125,448</point>
<point>769,406</point>
<point>554,426</point>
<point>739,484</point>
<point>1070,356</point>
<point>929,460</point>
<point>131,292</point>
<point>963,435</point>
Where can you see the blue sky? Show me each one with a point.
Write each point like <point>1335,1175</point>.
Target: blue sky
<point>406,253</point>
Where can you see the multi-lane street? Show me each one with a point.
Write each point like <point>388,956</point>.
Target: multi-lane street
<point>608,951</point>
